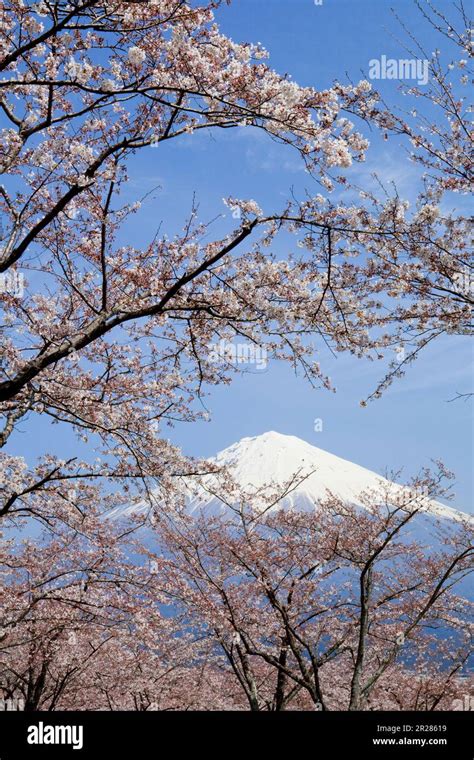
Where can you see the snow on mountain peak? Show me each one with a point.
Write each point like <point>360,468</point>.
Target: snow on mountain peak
<point>273,459</point>
<point>266,462</point>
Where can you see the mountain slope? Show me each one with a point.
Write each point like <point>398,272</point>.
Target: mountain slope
<point>269,461</point>
<point>273,458</point>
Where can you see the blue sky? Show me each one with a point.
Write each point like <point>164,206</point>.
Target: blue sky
<point>413,422</point>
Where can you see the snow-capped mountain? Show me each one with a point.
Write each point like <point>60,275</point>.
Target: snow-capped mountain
<point>272,460</point>
<point>268,463</point>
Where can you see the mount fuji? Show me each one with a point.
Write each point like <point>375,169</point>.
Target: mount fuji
<point>271,460</point>
<point>268,462</point>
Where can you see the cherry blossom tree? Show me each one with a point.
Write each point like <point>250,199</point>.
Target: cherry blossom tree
<point>427,265</point>
<point>341,604</point>
<point>108,338</point>
<point>113,339</point>
<point>82,628</point>
<point>255,607</point>
<point>276,610</point>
